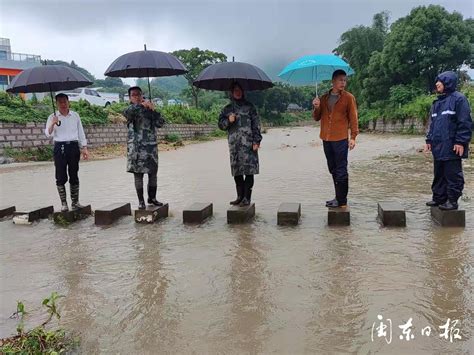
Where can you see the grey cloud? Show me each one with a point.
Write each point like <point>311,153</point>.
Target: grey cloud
<point>266,33</point>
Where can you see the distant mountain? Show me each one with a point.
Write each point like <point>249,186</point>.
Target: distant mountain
<point>71,65</point>
<point>171,84</point>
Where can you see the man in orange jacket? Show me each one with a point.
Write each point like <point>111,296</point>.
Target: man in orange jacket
<point>337,111</point>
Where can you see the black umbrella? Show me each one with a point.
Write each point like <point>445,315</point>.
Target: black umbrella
<point>221,76</point>
<point>48,78</point>
<point>145,64</point>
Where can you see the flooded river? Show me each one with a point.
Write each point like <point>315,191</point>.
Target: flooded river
<point>256,288</point>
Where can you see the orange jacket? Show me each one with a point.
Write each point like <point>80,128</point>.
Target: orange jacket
<point>335,124</point>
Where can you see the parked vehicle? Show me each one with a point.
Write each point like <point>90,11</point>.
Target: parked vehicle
<point>173,102</point>
<point>92,96</point>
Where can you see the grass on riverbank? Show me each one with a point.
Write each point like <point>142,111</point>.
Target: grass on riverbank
<point>38,340</point>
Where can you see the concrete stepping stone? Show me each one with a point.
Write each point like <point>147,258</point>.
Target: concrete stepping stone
<point>72,215</point>
<point>339,216</point>
<point>237,214</point>
<point>108,214</point>
<point>453,218</point>
<point>289,213</point>
<point>392,214</point>
<point>7,211</point>
<point>19,217</point>
<point>151,214</point>
<point>197,213</point>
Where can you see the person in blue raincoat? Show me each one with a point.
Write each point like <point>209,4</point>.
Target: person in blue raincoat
<point>448,138</point>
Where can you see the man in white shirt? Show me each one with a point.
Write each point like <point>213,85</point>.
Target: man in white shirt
<point>65,128</point>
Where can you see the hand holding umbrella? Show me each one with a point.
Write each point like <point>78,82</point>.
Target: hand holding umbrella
<point>316,102</point>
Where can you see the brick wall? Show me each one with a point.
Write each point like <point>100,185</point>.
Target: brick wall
<point>390,126</point>
<point>30,135</point>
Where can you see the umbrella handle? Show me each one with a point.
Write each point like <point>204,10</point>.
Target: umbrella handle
<point>58,123</point>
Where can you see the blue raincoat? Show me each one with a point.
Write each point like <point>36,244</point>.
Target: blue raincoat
<point>451,121</point>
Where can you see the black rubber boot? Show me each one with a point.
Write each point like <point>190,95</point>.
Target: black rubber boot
<point>141,200</point>
<point>75,197</point>
<point>240,195</point>
<point>247,197</point>
<point>344,192</point>
<point>63,197</point>
<point>152,196</point>
<point>342,188</point>
<point>448,206</point>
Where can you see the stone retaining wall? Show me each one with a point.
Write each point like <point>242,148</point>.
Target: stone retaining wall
<point>29,135</point>
<point>389,126</point>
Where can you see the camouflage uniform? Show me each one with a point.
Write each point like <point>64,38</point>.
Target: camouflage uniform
<point>242,134</point>
<point>142,149</point>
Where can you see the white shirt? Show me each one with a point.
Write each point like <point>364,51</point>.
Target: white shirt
<point>70,129</point>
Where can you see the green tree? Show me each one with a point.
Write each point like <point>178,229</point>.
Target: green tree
<point>428,41</point>
<point>376,84</point>
<point>156,92</point>
<point>357,46</point>
<point>196,60</point>
<point>109,82</point>
<point>276,99</point>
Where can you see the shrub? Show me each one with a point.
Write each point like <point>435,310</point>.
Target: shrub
<point>30,154</point>
<point>173,137</point>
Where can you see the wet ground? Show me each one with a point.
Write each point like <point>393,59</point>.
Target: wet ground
<point>256,288</point>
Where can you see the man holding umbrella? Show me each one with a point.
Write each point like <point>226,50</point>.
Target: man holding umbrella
<point>142,151</point>
<point>68,138</point>
<point>142,119</point>
<point>67,132</point>
<point>337,111</point>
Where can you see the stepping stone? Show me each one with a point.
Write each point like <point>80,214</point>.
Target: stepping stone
<point>109,214</point>
<point>72,216</point>
<point>237,214</point>
<point>7,211</point>
<point>392,214</point>
<point>454,218</point>
<point>151,214</point>
<point>34,215</point>
<point>340,216</point>
<point>289,213</point>
<point>197,212</point>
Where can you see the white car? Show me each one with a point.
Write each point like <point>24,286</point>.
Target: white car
<point>91,96</point>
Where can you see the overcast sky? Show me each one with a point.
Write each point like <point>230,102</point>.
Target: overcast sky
<point>267,33</point>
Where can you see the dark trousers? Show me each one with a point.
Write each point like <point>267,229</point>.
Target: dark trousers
<point>66,161</point>
<point>448,181</point>
<point>336,157</point>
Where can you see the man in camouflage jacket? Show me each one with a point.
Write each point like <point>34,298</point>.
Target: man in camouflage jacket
<point>142,149</point>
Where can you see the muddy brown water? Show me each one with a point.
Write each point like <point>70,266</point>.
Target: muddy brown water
<point>255,288</point>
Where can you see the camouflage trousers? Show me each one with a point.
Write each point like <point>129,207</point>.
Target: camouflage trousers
<point>142,158</point>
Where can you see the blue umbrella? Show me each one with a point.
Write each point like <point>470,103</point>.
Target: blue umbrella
<point>313,69</point>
